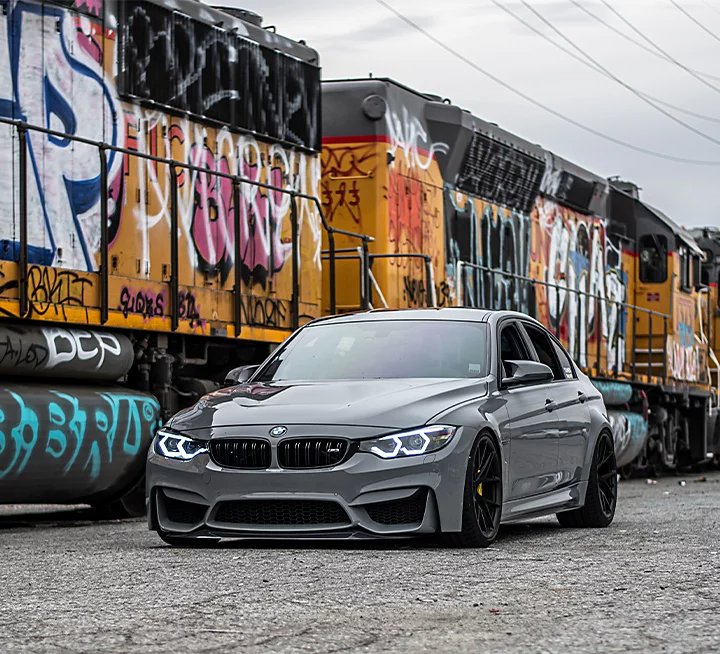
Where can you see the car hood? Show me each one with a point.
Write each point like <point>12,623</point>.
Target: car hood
<point>385,403</point>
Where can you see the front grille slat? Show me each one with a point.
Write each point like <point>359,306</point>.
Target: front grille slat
<point>281,512</point>
<point>299,453</point>
<point>241,453</point>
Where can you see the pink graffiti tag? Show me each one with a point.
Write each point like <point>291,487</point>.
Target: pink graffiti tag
<point>262,249</point>
<point>212,226</point>
<point>94,6</point>
<point>261,213</point>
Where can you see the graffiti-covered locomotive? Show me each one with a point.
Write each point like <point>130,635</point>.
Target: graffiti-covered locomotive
<point>129,286</point>
<point>175,207</point>
<point>510,225</point>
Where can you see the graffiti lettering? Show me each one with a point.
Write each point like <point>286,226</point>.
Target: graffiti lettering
<point>501,174</point>
<point>58,352</point>
<point>57,289</point>
<point>407,133</point>
<point>261,311</point>
<point>57,59</point>
<point>49,434</point>
<point>17,353</point>
<point>186,64</point>
<point>188,309</point>
<point>145,303</point>
<point>414,292</point>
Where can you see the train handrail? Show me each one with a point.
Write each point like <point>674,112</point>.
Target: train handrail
<point>23,127</point>
<point>366,263</point>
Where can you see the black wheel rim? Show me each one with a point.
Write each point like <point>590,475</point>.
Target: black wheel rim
<point>607,475</point>
<point>487,487</point>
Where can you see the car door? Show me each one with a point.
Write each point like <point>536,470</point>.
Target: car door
<point>533,429</point>
<point>570,408</point>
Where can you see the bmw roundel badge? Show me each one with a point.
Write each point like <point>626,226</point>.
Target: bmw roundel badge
<point>278,431</point>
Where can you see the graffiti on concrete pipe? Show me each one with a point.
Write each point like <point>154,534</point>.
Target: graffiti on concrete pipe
<point>58,352</point>
<point>85,436</point>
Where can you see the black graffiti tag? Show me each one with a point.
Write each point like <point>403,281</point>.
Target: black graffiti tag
<point>145,303</point>
<point>415,292</point>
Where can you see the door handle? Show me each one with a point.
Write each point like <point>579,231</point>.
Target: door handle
<point>581,396</point>
<point>550,405</point>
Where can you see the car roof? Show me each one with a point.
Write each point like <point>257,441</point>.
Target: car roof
<point>465,314</point>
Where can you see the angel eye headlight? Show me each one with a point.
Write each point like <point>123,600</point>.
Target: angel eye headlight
<point>410,443</point>
<point>175,446</point>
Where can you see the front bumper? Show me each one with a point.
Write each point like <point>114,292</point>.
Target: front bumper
<point>363,497</point>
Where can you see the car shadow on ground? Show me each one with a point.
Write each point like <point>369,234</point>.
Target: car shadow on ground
<point>508,533</point>
<point>83,517</point>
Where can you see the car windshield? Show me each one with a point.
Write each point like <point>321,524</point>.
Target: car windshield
<point>383,349</point>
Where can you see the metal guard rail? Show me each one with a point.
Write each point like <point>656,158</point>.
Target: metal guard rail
<point>236,180</point>
<point>622,306</point>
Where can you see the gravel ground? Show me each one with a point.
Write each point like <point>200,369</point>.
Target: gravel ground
<point>650,582</point>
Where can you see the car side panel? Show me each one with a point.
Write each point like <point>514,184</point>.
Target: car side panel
<point>574,435</point>
<point>534,439</point>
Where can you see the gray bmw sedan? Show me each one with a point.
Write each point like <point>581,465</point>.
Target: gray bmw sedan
<point>390,424</point>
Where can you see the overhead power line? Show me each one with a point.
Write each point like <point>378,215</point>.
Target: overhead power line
<point>647,39</point>
<point>537,103</point>
<point>651,51</point>
<point>695,20</point>
<point>713,7</point>
<point>594,68</point>
<point>613,77</point>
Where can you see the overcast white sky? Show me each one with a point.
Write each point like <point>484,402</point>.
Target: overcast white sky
<point>356,37</point>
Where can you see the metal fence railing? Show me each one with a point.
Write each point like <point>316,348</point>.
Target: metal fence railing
<point>173,165</point>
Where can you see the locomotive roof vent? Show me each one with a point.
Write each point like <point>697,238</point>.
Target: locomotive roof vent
<point>243,14</point>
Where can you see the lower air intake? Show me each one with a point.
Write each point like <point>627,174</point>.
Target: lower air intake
<point>407,511</point>
<point>281,512</point>
<point>184,513</point>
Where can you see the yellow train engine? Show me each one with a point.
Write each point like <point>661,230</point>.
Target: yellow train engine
<point>463,213</point>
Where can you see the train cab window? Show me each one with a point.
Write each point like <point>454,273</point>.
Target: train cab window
<point>653,258</point>
<point>685,269</point>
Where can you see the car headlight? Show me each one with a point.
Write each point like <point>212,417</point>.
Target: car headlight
<point>175,446</point>
<point>409,443</point>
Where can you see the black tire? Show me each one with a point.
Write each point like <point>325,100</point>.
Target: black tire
<point>185,541</point>
<point>482,500</point>
<point>129,505</point>
<point>601,497</point>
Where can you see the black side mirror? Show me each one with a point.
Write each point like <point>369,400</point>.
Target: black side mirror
<point>239,375</point>
<point>525,372</point>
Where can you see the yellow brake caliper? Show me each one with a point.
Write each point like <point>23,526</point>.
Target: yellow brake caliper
<point>479,488</point>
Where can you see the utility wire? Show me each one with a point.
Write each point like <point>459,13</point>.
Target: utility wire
<point>613,77</point>
<point>655,53</point>
<point>594,68</point>
<point>695,20</point>
<point>713,7</point>
<point>537,103</point>
<point>654,45</point>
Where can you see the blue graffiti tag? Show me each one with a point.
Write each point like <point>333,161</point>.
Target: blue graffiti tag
<point>72,432</point>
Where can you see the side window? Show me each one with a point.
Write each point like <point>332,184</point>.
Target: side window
<point>545,350</point>
<point>653,258</point>
<point>684,269</point>
<point>565,363</point>
<point>512,346</point>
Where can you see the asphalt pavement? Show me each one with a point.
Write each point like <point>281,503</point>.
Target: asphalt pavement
<point>648,583</point>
